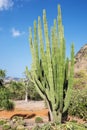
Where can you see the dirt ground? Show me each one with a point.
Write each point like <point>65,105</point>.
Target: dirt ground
<point>36,108</point>
<point>31,107</point>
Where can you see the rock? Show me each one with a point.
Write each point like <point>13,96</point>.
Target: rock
<point>81,59</point>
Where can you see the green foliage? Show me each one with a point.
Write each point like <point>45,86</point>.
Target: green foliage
<point>85,125</point>
<point>44,127</point>
<point>9,105</point>
<point>17,125</point>
<point>4,99</point>
<point>2,122</point>
<point>30,88</point>
<point>38,120</point>
<point>67,126</point>
<point>77,126</point>
<point>2,73</point>
<point>20,127</point>
<point>80,80</point>
<point>33,94</point>
<point>4,95</point>
<point>16,118</point>
<point>17,91</point>
<point>2,76</point>
<point>51,73</point>
<point>78,105</point>
<point>6,126</point>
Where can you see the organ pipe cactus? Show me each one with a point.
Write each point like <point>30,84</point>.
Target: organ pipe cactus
<point>51,72</point>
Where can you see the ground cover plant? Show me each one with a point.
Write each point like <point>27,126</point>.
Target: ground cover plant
<point>19,124</point>
<point>67,126</point>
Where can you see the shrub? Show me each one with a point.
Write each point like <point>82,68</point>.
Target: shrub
<point>67,126</point>
<point>44,127</point>
<point>35,96</point>
<point>78,105</point>
<point>80,80</point>
<point>8,105</point>
<point>76,126</point>
<point>36,128</point>
<point>80,74</point>
<point>20,127</point>
<point>38,120</point>
<point>5,103</point>
<point>2,122</point>
<point>6,126</point>
<point>17,91</point>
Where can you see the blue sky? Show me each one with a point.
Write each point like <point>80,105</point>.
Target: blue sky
<point>16,16</point>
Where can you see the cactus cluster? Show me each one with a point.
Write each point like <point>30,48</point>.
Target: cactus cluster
<point>51,72</point>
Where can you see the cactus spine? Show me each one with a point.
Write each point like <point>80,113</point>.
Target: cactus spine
<point>51,73</point>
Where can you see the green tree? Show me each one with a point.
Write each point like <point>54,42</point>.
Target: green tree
<point>26,84</point>
<point>2,76</point>
<point>16,90</point>
<point>2,73</point>
<point>29,88</point>
<point>5,102</point>
<point>51,72</point>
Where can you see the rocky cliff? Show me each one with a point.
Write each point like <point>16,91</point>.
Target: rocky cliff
<point>81,59</point>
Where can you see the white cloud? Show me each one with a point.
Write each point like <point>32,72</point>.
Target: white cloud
<point>6,4</point>
<point>16,33</point>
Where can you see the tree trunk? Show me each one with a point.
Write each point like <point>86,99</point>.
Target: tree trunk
<point>26,95</point>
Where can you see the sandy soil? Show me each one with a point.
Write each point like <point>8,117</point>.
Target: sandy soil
<point>28,108</point>
<point>32,107</point>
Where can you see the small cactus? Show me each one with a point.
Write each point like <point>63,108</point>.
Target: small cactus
<point>6,126</point>
<point>38,120</point>
<point>20,127</point>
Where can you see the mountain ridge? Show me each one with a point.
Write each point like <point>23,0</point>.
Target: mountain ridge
<point>81,59</point>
